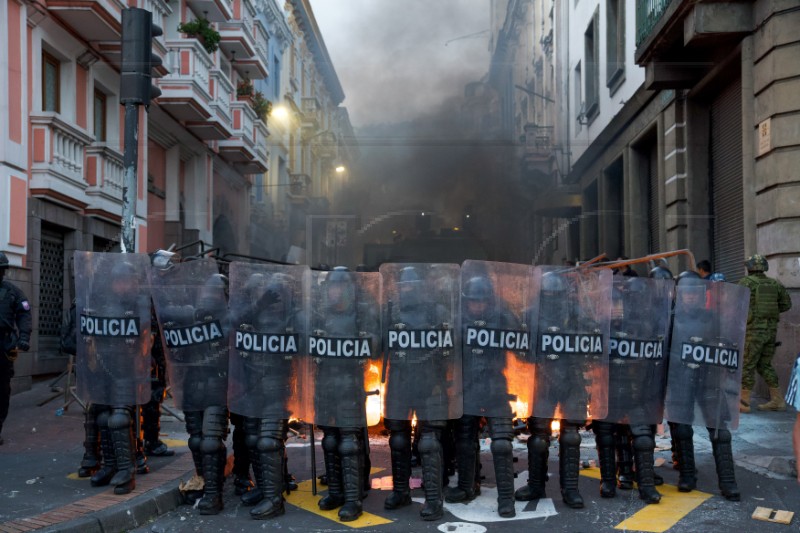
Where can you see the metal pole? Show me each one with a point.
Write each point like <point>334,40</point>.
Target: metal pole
<point>313,461</point>
<point>129,185</point>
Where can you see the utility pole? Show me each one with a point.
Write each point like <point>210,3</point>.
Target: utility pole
<point>136,89</point>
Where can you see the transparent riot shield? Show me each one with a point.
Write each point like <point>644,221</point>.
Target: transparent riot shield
<point>706,354</point>
<point>637,364</point>
<point>269,307</point>
<point>570,319</point>
<point>190,299</point>
<point>496,363</point>
<point>113,312</point>
<point>422,341</point>
<point>343,346</point>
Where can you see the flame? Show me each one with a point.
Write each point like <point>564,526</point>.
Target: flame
<point>519,407</point>
<point>372,382</point>
<point>555,426</point>
<point>414,421</point>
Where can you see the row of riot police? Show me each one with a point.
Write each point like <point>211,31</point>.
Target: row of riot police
<point>484,340</point>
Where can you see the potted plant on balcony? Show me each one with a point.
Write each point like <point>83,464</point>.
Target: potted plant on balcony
<point>244,90</point>
<point>261,105</point>
<point>202,30</point>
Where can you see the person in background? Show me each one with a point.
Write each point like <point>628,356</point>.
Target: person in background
<point>704,269</point>
<point>15,335</point>
<point>768,299</point>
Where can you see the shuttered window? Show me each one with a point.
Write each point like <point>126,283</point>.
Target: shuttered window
<point>726,182</point>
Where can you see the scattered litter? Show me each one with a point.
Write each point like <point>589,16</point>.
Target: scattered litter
<point>771,515</point>
<point>659,462</point>
<point>33,430</point>
<point>60,411</point>
<point>13,494</point>
<point>183,518</point>
<point>588,464</point>
<point>32,481</point>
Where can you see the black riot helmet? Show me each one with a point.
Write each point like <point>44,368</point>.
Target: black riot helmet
<point>280,284</point>
<point>554,297</point>
<point>478,296</point>
<point>553,285</point>
<point>691,290</point>
<point>340,289</point>
<point>214,295</point>
<point>410,287</point>
<point>660,272</point>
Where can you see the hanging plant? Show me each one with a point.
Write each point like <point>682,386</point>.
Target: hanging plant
<point>202,30</point>
<point>244,88</point>
<point>261,105</point>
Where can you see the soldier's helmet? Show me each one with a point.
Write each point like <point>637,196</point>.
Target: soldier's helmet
<point>3,260</point>
<point>340,289</point>
<point>756,263</point>
<point>478,295</point>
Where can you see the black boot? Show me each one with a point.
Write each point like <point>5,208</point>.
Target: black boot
<point>119,424</point>
<point>723,457</point>
<point>606,456</point>
<point>241,458</point>
<point>214,475</point>
<point>466,459</point>
<point>400,446</point>
<point>430,451</point>
<point>91,444</point>
<point>538,454</point>
<point>108,469</point>
<point>645,476</point>
<point>569,465</point>
<point>141,458</point>
<point>624,459</point>
<point>333,473</point>
<point>194,427</point>
<point>682,435</point>
<point>502,454</point>
<point>270,483</point>
<point>350,452</point>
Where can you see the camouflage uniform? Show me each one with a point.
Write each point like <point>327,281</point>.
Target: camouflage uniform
<point>768,299</point>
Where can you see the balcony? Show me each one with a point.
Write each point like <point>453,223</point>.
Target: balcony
<point>214,10</point>
<point>218,126</point>
<point>104,175</point>
<point>58,160</point>
<point>537,155</point>
<point>241,150</point>
<point>93,20</point>
<point>255,66</point>
<point>185,91</point>
<point>680,41</point>
<point>310,111</point>
<point>299,187</point>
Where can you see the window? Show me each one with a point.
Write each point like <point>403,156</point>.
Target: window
<point>615,44</point>
<point>99,116</point>
<point>276,78</point>
<point>580,106</point>
<point>51,89</point>
<point>592,78</point>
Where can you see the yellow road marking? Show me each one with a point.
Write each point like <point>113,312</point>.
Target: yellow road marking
<point>303,498</point>
<point>657,518</point>
<point>174,443</point>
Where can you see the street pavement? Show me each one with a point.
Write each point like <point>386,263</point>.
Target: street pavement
<point>39,490</point>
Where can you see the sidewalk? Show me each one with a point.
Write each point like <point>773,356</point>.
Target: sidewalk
<point>39,489</point>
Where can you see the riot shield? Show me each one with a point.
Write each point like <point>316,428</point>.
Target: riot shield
<point>496,364</point>
<point>422,341</point>
<point>706,354</point>
<point>343,345</point>
<point>113,312</point>
<point>570,320</point>
<point>269,307</point>
<point>637,364</point>
<point>191,305</point>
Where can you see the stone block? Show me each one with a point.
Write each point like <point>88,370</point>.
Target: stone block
<point>779,202</point>
<point>779,30</point>
<point>777,64</point>
<point>783,96</point>
<point>777,167</point>
<point>779,237</point>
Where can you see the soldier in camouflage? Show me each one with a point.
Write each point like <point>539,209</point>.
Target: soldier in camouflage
<point>768,299</point>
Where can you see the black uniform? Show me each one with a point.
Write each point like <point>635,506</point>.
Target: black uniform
<point>15,334</point>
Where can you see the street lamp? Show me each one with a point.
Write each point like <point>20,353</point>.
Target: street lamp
<point>340,169</point>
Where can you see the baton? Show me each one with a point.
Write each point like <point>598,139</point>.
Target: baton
<point>384,347</point>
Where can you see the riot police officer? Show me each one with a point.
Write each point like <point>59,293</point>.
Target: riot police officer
<point>15,332</point>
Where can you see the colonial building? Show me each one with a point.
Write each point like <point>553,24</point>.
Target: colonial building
<point>203,144</point>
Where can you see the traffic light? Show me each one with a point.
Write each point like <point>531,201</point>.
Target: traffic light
<point>138,60</point>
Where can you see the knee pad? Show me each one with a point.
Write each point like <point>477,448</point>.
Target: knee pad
<point>119,419</point>
<point>538,444</point>
<point>429,443</point>
<point>501,446</point>
<point>215,422</point>
<point>642,430</point>
<point>400,440</point>
<point>194,422</point>
<point>501,429</point>
<point>643,443</point>
<point>330,442</point>
<point>719,436</point>
<point>102,418</point>
<point>349,445</point>
<point>195,443</point>
<point>268,444</point>
<point>570,437</point>
<point>211,445</point>
<point>681,431</point>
